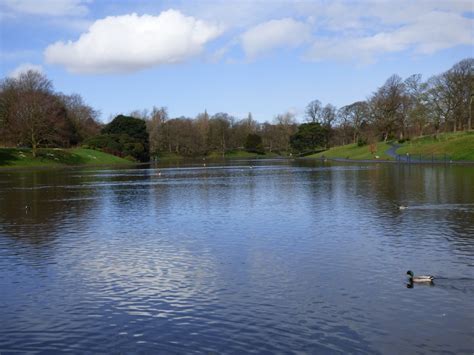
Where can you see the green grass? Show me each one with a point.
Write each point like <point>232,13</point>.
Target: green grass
<point>242,154</point>
<point>456,146</point>
<point>352,151</point>
<point>22,157</point>
<point>233,154</point>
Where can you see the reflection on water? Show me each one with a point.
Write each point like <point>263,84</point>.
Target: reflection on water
<point>285,256</point>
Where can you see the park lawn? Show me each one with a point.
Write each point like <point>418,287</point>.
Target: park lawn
<point>455,146</point>
<point>242,154</point>
<point>354,152</point>
<point>233,154</point>
<point>55,157</point>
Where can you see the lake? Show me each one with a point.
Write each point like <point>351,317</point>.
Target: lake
<point>237,257</point>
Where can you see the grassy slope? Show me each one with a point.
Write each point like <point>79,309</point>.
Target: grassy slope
<point>235,154</point>
<point>12,157</point>
<point>242,154</point>
<point>457,146</point>
<point>352,151</point>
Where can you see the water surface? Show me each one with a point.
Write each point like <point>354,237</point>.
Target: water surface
<point>247,256</point>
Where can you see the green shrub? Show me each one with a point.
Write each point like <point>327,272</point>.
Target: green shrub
<point>254,144</point>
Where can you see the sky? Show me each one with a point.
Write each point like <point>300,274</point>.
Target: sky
<point>266,57</point>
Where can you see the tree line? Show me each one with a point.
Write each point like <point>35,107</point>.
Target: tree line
<point>32,114</point>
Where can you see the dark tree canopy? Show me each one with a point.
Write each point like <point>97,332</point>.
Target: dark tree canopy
<point>126,136</point>
<point>253,143</point>
<point>310,136</point>
<point>131,126</point>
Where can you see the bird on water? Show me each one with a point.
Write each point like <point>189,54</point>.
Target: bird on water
<point>419,278</point>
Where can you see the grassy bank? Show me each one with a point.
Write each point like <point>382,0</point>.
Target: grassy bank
<point>456,146</point>
<point>22,157</point>
<point>234,154</point>
<point>353,151</point>
<point>242,154</point>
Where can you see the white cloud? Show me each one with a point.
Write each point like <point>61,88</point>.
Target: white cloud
<point>347,28</point>
<point>131,42</point>
<point>48,7</point>
<point>427,34</point>
<point>274,34</point>
<point>23,68</point>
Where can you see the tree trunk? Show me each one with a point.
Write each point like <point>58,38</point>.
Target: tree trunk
<point>469,127</point>
<point>34,145</point>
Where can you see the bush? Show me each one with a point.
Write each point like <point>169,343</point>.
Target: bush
<point>125,136</point>
<point>362,142</point>
<point>120,145</point>
<point>310,136</point>
<point>253,144</point>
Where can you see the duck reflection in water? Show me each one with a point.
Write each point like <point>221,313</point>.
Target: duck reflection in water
<point>411,284</point>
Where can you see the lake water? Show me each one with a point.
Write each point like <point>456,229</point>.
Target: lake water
<point>248,256</point>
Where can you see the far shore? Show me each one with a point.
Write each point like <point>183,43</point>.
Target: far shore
<point>447,148</point>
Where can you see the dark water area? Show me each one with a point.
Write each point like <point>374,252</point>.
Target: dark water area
<point>238,257</point>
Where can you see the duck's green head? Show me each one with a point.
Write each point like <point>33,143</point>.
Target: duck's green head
<point>410,273</point>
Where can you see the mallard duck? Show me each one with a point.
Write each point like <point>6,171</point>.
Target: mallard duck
<point>419,278</point>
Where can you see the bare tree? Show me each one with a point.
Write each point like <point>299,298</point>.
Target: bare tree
<point>417,103</point>
<point>219,131</point>
<point>313,111</point>
<point>355,115</point>
<point>156,130</point>
<point>285,128</point>
<point>39,118</point>
<point>34,114</point>
<point>81,118</point>
<point>386,106</point>
<point>202,127</point>
<point>460,85</point>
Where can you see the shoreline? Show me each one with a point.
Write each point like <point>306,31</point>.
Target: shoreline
<point>333,160</point>
<point>64,166</point>
<point>401,162</point>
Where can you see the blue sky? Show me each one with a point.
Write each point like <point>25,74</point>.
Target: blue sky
<point>264,57</point>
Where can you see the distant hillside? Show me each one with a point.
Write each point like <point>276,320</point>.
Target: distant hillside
<point>453,146</point>
<point>22,157</point>
<point>456,146</point>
